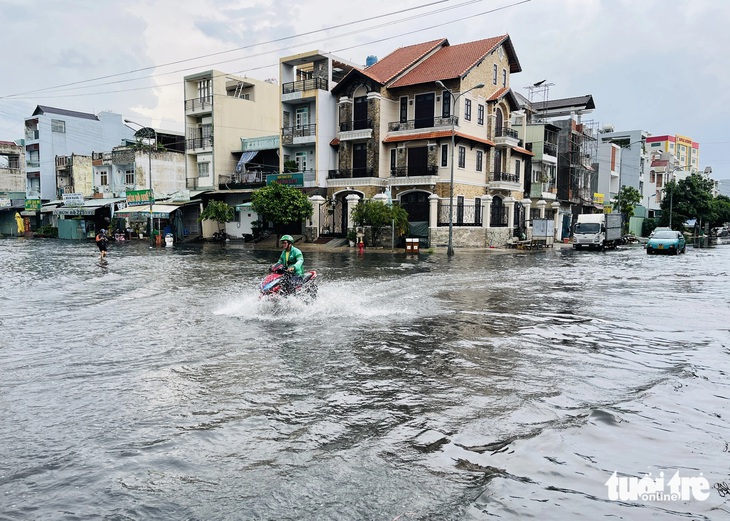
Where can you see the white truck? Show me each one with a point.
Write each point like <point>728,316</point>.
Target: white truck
<point>597,231</point>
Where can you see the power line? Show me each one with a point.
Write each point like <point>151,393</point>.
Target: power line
<point>277,40</point>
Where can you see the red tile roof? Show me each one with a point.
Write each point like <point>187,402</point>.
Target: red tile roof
<point>335,142</point>
<point>451,61</point>
<point>400,59</point>
<point>521,150</point>
<point>435,135</point>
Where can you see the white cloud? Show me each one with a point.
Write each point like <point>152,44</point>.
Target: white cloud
<point>651,65</point>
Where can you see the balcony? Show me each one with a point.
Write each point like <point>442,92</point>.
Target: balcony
<point>350,173</point>
<point>32,164</point>
<point>299,135</point>
<point>302,89</point>
<point>199,143</point>
<point>505,137</point>
<point>550,149</point>
<point>199,105</point>
<point>248,179</point>
<point>31,135</point>
<point>418,124</point>
<point>354,130</point>
<point>504,181</point>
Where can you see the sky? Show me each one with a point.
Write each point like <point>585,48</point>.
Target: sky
<point>654,65</point>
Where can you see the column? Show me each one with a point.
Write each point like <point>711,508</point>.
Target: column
<point>541,204</point>
<point>509,204</point>
<point>352,201</point>
<point>317,202</point>
<point>433,211</point>
<point>487,209</point>
<point>556,206</point>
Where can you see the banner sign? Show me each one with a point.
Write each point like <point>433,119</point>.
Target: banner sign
<point>293,180</point>
<point>73,199</point>
<point>32,205</point>
<point>139,197</point>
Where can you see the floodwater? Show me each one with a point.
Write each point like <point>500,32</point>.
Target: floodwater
<point>156,385</point>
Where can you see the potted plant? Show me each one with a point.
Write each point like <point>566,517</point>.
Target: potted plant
<point>351,237</point>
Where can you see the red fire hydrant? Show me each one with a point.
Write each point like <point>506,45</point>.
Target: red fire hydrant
<point>361,247</point>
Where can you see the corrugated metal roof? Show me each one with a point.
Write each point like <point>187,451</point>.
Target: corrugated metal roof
<point>43,109</point>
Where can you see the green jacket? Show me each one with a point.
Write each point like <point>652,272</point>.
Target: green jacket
<point>296,259</point>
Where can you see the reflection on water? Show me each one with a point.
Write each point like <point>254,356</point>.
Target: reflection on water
<point>158,385</point>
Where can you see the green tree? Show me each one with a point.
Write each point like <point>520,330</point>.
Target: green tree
<point>217,211</point>
<point>281,204</point>
<point>721,210</point>
<point>377,214</point>
<point>628,197</point>
<point>689,198</point>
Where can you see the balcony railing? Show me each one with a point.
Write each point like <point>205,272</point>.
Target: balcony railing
<point>404,171</point>
<point>33,164</point>
<point>62,161</point>
<point>550,149</point>
<point>412,124</point>
<point>299,131</point>
<point>505,132</point>
<point>191,183</point>
<point>504,177</point>
<point>304,85</point>
<point>31,134</point>
<point>349,173</point>
<point>198,104</point>
<point>347,126</point>
<point>198,142</point>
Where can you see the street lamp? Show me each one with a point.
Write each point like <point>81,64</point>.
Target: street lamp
<point>147,133</point>
<point>450,248</point>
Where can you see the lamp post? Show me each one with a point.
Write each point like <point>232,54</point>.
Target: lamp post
<point>450,248</point>
<point>149,133</point>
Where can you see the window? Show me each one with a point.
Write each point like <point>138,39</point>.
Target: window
<point>393,160</point>
<point>13,161</point>
<point>504,77</point>
<point>518,164</point>
<point>477,210</point>
<point>462,157</point>
<point>467,110</point>
<point>302,117</point>
<point>494,74</point>
<point>446,104</point>
<point>301,159</point>
<point>480,114</point>
<point>204,89</point>
<point>652,176</point>
<point>404,109</point>
<point>444,155</point>
<point>58,125</point>
<point>480,158</point>
<point>103,178</point>
<point>129,176</point>
<point>203,169</point>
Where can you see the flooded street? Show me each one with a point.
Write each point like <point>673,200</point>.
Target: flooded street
<point>493,386</point>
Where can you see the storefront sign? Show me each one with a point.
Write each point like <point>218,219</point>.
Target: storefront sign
<point>73,199</point>
<point>32,205</point>
<point>292,180</point>
<point>139,197</point>
<point>5,203</point>
<point>598,198</point>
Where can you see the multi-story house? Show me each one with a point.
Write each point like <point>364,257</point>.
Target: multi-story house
<point>308,115</point>
<point>12,185</point>
<point>397,121</point>
<point>74,175</point>
<point>575,178</point>
<point>622,155</point>
<point>684,149</point>
<point>51,132</point>
<point>220,109</point>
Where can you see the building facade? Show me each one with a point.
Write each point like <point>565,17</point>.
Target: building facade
<point>51,132</point>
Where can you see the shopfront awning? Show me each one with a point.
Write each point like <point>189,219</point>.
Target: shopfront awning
<point>159,211</point>
<point>77,210</point>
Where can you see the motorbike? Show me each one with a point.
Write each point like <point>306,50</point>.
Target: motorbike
<point>280,283</point>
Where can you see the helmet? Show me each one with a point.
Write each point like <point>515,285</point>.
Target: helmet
<point>102,231</point>
<point>287,238</point>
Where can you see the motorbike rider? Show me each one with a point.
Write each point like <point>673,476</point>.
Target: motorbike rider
<point>292,260</point>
